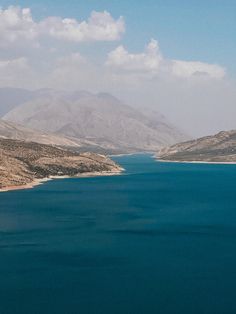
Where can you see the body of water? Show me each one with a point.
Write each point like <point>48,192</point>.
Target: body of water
<point>161,238</point>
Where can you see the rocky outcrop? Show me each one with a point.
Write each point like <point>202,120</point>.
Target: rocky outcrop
<point>217,148</point>
<point>21,163</point>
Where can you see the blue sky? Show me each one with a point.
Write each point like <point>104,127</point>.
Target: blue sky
<point>203,30</point>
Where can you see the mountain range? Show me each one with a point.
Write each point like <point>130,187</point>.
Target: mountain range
<point>99,120</point>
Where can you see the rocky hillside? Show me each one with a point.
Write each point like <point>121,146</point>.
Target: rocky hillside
<point>23,162</point>
<point>11,130</point>
<point>12,97</point>
<point>217,148</point>
<point>99,118</point>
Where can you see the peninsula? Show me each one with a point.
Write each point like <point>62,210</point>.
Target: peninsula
<point>25,164</point>
<point>219,148</point>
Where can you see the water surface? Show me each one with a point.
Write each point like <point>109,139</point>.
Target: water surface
<point>159,239</point>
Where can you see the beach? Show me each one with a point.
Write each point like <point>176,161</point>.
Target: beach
<point>198,162</point>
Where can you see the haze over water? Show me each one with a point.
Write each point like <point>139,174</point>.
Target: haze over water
<point>159,239</point>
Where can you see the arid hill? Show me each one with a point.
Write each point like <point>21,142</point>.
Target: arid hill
<point>216,148</point>
<point>21,163</point>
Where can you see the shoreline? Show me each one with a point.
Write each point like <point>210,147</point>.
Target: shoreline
<point>131,154</point>
<point>198,162</point>
<point>37,182</point>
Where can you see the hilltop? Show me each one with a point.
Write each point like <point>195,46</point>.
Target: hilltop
<point>216,148</point>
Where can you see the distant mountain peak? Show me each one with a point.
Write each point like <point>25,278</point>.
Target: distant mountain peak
<point>100,117</point>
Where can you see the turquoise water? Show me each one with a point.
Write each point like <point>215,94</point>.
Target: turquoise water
<point>159,239</point>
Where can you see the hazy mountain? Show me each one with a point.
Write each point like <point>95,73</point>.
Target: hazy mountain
<point>23,162</point>
<point>217,148</point>
<point>100,118</point>
<point>12,97</point>
<point>11,130</point>
<point>15,131</point>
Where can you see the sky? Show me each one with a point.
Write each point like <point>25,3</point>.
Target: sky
<point>174,56</point>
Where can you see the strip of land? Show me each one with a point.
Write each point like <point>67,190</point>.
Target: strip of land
<point>219,148</point>
<point>197,162</point>
<point>27,164</point>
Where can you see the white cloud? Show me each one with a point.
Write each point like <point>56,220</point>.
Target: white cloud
<point>149,60</point>
<point>20,63</point>
<point>187,69</point>
<point>152,62</point>
<point>101,26</point>
<point>18,24</point>
<point>73,60</point>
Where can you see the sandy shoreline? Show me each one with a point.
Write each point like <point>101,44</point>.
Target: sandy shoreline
<point>37,182</point>
<point>130,154</point>
<point>198,162</point>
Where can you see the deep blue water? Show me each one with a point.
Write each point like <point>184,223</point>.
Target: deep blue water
<point>159,239</point>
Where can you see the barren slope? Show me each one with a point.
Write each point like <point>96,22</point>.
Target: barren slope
<point>217,148</point>
<point>23,162</point>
